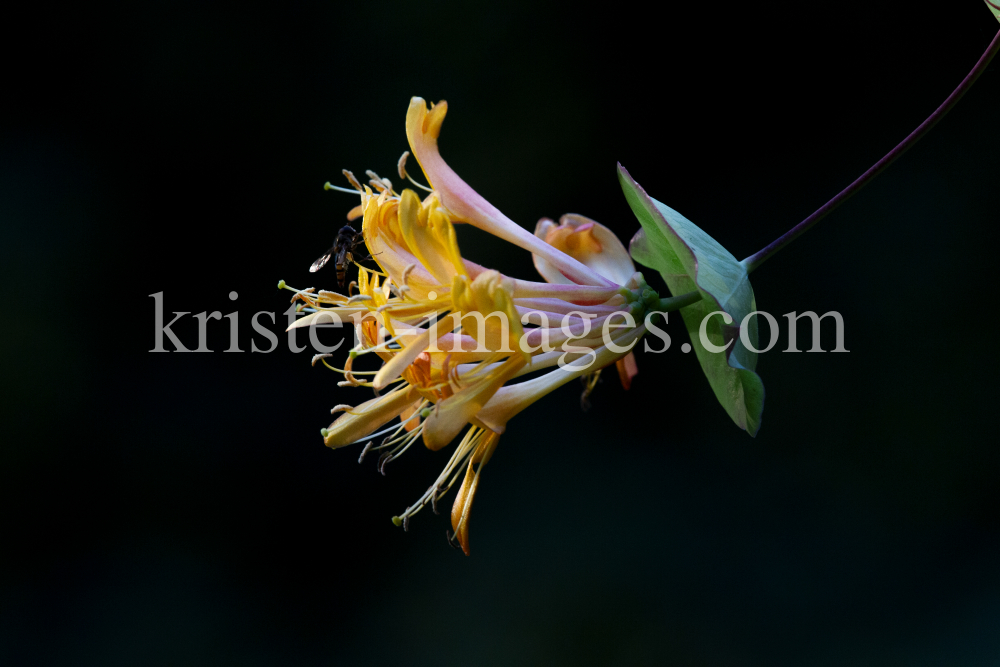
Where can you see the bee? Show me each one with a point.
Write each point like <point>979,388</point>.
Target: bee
<point>343,248</point>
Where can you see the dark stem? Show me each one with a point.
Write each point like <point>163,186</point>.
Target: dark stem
<point>755,260</point>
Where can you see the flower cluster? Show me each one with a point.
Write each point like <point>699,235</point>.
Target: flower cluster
<point>464,347</point>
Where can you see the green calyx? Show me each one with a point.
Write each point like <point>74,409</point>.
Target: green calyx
<point>641,299</point>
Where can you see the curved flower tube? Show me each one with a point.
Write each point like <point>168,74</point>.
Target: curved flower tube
<point>423,126</point>
<point>597,247</point>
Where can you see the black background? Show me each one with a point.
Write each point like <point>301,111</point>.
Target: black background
<point>181,508</point>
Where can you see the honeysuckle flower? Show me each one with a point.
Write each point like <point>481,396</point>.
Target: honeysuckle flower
<point>597,247</point>
<point>456,339</point>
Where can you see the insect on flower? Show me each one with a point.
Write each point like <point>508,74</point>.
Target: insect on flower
<point>464,347</point>
<point>343,248</point>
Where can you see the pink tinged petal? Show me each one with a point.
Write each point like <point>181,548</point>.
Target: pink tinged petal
<point>452,414</point>
<point>543,266</point>
<point>588,241</point>
<point>558,307</point>
<point>581,295</point>
<point>509,401</point>
<point>627,369</point>
<point>369,416</point>
<point>422,129</point>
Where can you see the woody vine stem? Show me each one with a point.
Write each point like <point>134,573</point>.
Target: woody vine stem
<point>758,258</point>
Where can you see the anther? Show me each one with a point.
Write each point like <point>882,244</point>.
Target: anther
<point>451,539</point>
<point>368,445</point>
<point>401,165</point>
<point>354,181</point>
<point>343,407</point>
<point>359,297</point>
<point>406,273</point>
<point>317,357</point>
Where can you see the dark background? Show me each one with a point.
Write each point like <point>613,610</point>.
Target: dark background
<point>181,508</point>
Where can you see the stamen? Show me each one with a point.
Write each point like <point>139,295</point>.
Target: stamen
<point>454,469</point>
<point>401,168</point>
<point>354,181</point>
<point>344,371</point>
<point>379,273</point>
<point>590,382</point>
<point>382,460</point>
<point>330,186</point>
<point>378,182</point>
<point>359,297</point>
<point>406,273</point>
<point>451,540</point>
<point>354,383</point>
<point>317,357</point>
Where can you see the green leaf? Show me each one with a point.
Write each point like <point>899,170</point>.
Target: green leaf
<point>994,7</point>
<point>689,259</point>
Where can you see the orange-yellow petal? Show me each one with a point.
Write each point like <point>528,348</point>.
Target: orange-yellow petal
<point>364,419</point>
<point>462,507</point>
<point>451,415</point>
<point>587,241</point>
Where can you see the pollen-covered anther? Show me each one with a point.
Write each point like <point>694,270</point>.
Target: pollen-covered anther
<point>353,181</point>
<point>359,297</point>
<point>379,183</point>
<point>401,165</point>
<point>406,272</point>
<point>317,357</point>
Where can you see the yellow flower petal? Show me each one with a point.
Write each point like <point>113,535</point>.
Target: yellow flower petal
<point>395,366</point>
<point>462,506</point>
<point>369,416</point>
<point>451,415</point>
<point>430,237</point>
<point>509,401</point>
